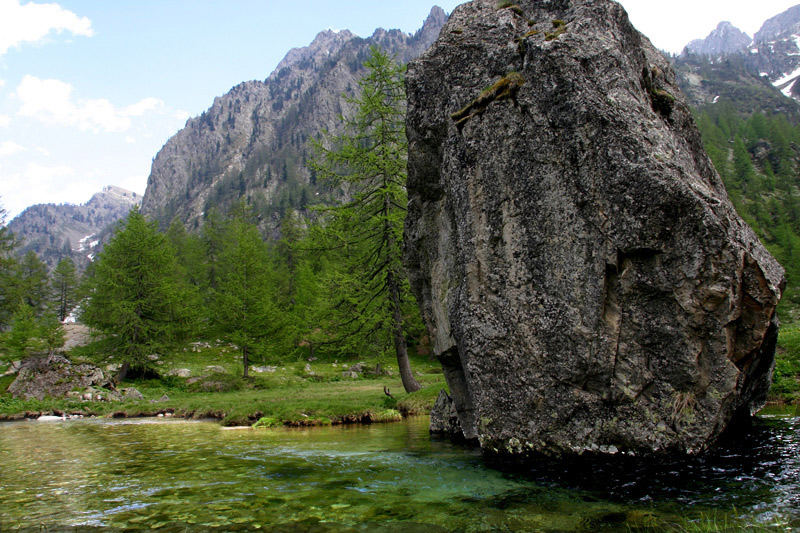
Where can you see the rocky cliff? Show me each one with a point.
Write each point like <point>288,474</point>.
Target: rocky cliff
<point>55,231</point>
<point>585,281</point>
<point>254,141</point>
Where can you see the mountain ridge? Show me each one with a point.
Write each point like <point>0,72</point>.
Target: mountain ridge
<point>54,231</point>
<point>772,53</point>
<point>254,141</point>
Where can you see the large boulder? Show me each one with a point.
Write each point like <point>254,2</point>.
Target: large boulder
<point>54,376</point>
<point>586,283</point>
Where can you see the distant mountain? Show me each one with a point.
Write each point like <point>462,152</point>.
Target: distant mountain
<point>771,56</point>
<point>730,78</point>
<point>775,51</point>
<point>55,231</point>
<point>254,141</point>
<point>725,39</point>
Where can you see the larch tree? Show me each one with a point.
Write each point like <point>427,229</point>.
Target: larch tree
<point>242,301</point>
<point>135,296</point>
<point>369,162</point>
<point>64,287</point>
<point>9,300</point>
<point>33,283</point>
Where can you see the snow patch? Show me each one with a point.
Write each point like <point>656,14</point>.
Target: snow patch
<point>786,78</point>
<point>787,91</point>
<point>84,244</point>
<point>72,318</point>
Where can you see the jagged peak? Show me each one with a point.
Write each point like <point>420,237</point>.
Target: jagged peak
<point>724,39</point>
<point>326,42</point>
<point>436,17</point>
<point>780,25</point>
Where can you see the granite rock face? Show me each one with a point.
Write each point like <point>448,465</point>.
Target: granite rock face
<point>586,283</point>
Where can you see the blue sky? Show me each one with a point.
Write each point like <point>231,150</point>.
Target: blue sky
<point>91,89</point>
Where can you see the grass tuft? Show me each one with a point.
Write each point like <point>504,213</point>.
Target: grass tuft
<point>505,88</point>
<point>559,27</point>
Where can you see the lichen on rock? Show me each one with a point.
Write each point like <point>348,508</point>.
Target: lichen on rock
<point>585,281</point>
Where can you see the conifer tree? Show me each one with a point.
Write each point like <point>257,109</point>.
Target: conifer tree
<point>369,160</point>
<point>135,295</point>
<point>9,300</point>
<point>188,251</point>
<point>242,300</point>
<point>64,286</point>
<point>212,237</point>
<point>32,283</point>
<point>22,338</point>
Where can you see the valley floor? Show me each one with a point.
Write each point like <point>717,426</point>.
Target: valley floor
<point>205,381</point>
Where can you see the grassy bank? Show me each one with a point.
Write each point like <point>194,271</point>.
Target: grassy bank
<point>290,393</point>
<point>786,382</point>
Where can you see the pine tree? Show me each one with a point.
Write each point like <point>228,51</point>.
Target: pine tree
<point>189,253</point>
<point>135,295</point>
<point>242,302</point>
<point>9,297</point>
<point>22,338</point>
<point>212,240</point>
<point>370,161</point>
<point>33,283</point>
<point>64,287</point>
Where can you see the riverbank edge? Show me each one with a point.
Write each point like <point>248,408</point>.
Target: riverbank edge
<point>254,419</point>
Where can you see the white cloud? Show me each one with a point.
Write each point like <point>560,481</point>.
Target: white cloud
<point>140,108</point>
<point>2,83</point>
<point>8,148</point>
<point>52,101</point>
<point>32,22</point>
<point>40,184</point>
<point>5,120</point>
<point>130,140</point>
<point>45,174</point>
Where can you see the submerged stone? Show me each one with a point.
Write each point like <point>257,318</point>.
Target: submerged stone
<point>586,283</point>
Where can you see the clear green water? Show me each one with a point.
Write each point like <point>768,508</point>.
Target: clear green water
<point>197,476</point>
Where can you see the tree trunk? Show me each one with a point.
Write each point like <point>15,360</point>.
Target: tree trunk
<point>246,362</point>
<point>123,372</point>
<point>406,375</point>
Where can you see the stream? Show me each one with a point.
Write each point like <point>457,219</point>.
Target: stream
<point>178,475</point>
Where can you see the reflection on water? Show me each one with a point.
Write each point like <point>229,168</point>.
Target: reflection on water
<point>130,474</point>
